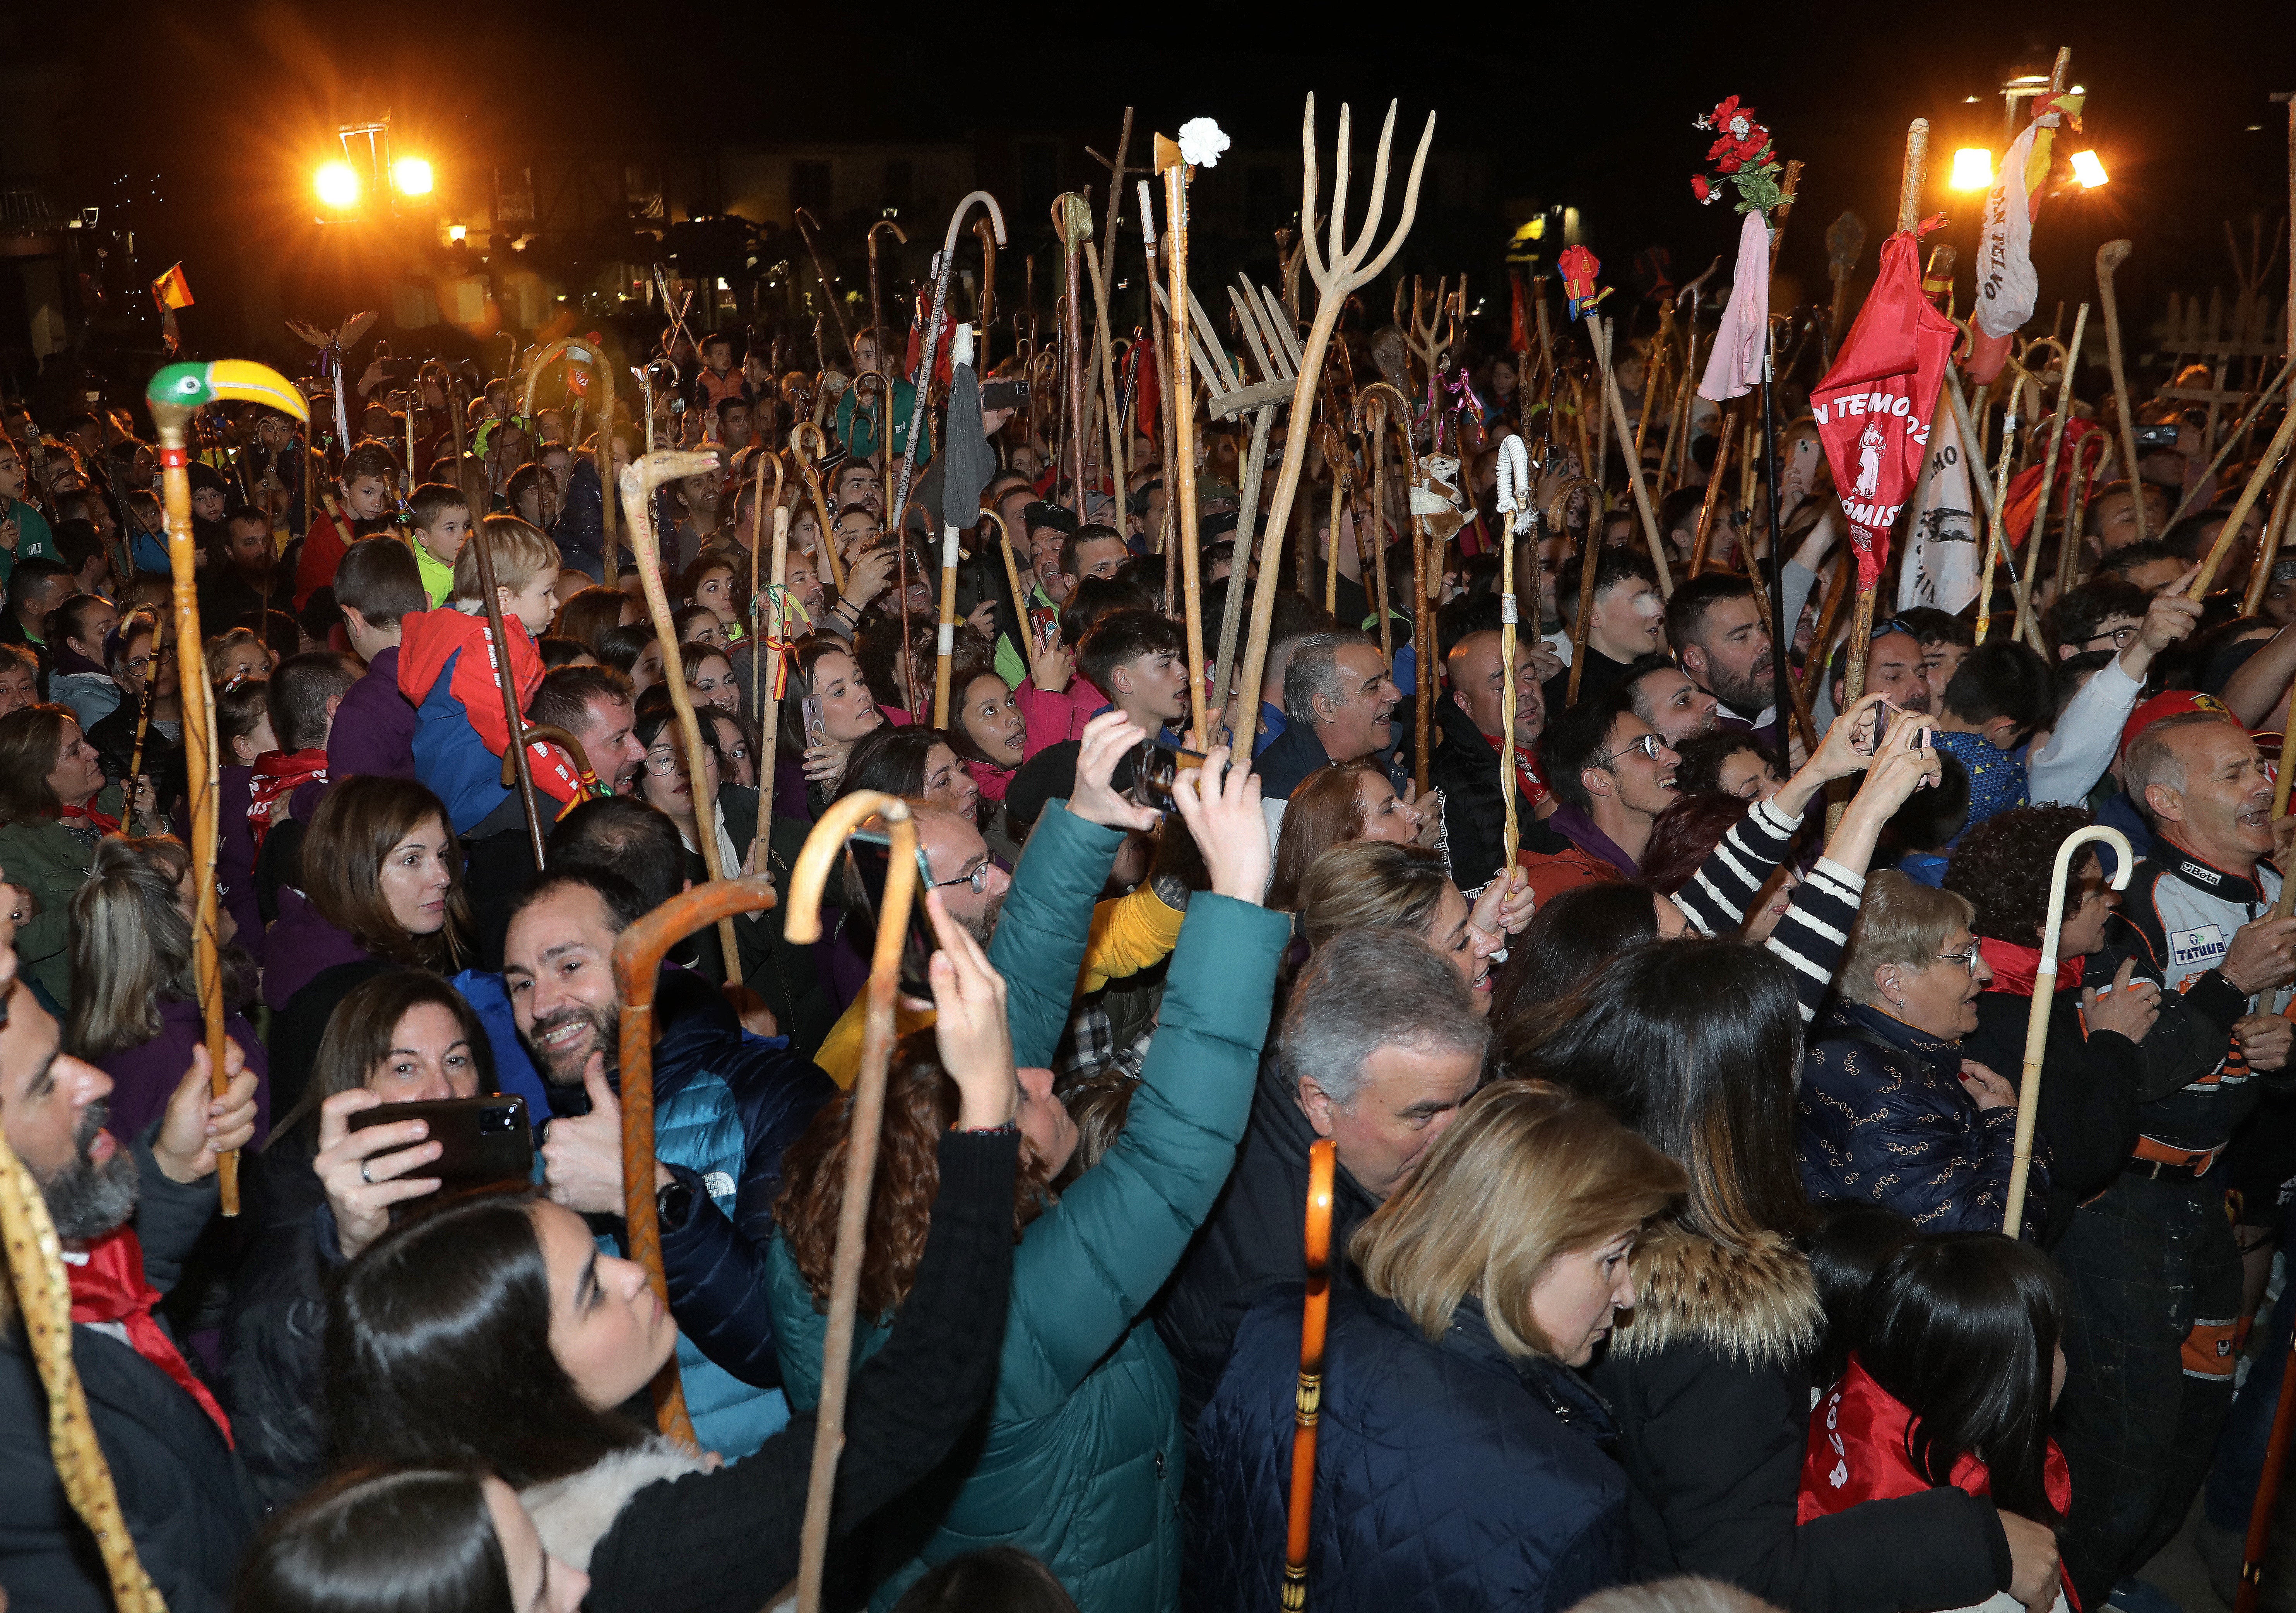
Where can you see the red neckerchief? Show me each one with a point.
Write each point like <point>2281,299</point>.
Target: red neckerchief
<point>1527,781</point>
<point>2014,967</point>
<point>277,774</point>
<point>102,823</point>
<point>110,1287</point>
<point>1858,1453</point>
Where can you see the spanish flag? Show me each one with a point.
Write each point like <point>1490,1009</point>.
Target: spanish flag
<point>171,289</point>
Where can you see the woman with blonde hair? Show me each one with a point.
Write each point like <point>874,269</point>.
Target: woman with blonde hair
<point>1333,805</point>
<point>1378,885</point>
<point>1450,1378</point>
<point>136,1013</point>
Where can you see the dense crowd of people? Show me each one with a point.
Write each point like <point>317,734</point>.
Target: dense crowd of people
<point>1665,1018</point>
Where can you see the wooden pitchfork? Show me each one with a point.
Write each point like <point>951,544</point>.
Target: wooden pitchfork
<point>1348,267</point>
<point>802,926</point>
<point>1309,1403</point>
<point>638,484</point>
<point>174,396</point>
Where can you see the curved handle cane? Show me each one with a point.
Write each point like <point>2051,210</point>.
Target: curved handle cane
<point>637,966</point>
<point>535,733</point>
<point>1308,1403</point>
<point>2044,991</point>
<point>803,924</point>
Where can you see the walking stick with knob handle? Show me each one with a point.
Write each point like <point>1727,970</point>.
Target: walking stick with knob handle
<point>638,969</point>
<point>2044,992</point>
<point>174,395</point>
<point>802,926</point>
<point>1308,1406</point>
<point>638,484</point>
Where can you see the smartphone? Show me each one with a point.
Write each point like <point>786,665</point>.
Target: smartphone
<point>2163,435</point>
<point>484,1139</point>
<point>1044,626</point>
<point>816,731</point>
<point>868,855</point>
<point>1004,394</point>
<point>1155,767</point>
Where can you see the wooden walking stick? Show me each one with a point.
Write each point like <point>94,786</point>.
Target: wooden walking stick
<point>968,465</point>
<point>807,223</point>
<point>637,967</point>
<point>1829,616</point>
<point>1371,408</point>
<point>174,394</point>
<point>1518,521</point>
<point>802,925</point>
<point>1072,222</point>
<point>514,760</point>
<point>931,348</point>
<point>1308,1406</point>
<point>808,471</point>
<point>1634,479</point>
<point>42,1294</point>
<point>143,704</point>
<point>2044,991</point>
<point>638,484</point>
<point>2049,478</point>
<point>1181,418</point>
<point>2109,257</point>
<point>1725,441</point>
<point>876,299</point>
<point>2239,433</point>
<point>2229,533</point>
<point>1347,268</point>
<point>1590,559</point>
<point>2275,533</point>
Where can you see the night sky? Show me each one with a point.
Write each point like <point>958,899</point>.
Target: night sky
<point>211,111</point>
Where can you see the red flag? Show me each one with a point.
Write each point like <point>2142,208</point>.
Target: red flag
<point>1147,413</point>
<point>1874,407</point>
<point>1519,328</point>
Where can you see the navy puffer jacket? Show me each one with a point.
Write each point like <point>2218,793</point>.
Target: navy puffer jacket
<point>1448,1474</point>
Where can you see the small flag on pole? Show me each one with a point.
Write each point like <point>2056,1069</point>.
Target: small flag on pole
<point>171,289</point>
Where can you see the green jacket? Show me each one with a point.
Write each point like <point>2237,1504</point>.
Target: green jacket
<point>1080,1459</point>
<point>52,863</point>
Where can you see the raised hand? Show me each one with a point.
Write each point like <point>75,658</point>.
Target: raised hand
<point>1229,827</point>
<point>969,1024</point>
<point>1108,739</point>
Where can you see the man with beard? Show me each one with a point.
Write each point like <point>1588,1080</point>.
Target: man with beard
<point>726,1103</point>
<point>1341,706</point>
<point>1723,644</point>
<point>127,1214</point>
<point>1664,697</point>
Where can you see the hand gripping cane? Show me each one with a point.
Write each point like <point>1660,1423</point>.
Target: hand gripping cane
<point>175,393</point>
<point>802,925</point>
<point>2044,991</point>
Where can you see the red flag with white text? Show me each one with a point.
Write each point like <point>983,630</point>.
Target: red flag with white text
<point>1874,407</point>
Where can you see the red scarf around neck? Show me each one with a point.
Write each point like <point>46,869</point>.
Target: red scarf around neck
<point>101,822</point>
<point>2015,968</point>
<point>1527,781</point>
<point>278,772</point>
<point>110,1287</point>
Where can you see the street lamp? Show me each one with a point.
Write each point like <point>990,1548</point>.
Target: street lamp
<point>367,166</point>
<point>412,176</point>
<point>2088,170</point>
<point>1973,169</point>
<point>338,185</point>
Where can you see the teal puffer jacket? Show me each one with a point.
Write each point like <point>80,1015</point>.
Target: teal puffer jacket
<point>1079,1459</point>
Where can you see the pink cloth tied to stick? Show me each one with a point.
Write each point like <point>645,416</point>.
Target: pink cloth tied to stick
<point>1734,367</point>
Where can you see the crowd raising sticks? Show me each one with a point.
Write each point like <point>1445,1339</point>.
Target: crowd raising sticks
<point>1681,1008</point>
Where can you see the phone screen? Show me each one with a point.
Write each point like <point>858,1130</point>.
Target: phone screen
<point>816,731</point>
<point>869,855</point>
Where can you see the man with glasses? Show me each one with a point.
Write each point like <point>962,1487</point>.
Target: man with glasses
<point>2106,614</point>
<point>1612,775</point>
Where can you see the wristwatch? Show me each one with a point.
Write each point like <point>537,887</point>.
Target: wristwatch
<point>672,1202</point>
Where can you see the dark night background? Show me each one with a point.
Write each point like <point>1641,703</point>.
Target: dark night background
<point>199,125</point>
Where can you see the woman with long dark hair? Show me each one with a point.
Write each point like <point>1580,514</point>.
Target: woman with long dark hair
<point>404,1036</point>
<point>1949,1384</point>
<point>826,711</point>
<point>1331,806</point>
<point>1694,1044</point>
<point>916,761</point>
<point>494,1334</point>
<point>54,806</point>
<point>987,729</point>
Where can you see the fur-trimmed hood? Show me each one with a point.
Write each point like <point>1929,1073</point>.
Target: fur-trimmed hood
<point>1757,1305</point>
<point>573,1514</point>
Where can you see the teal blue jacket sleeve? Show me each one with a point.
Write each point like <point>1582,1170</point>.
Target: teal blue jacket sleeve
<point>1039,943</point>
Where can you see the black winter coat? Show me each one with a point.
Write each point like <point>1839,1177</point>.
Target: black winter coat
<point>274,1330</point>
<point>2089,1095</point>
<point>1254,1240</point>
<point>182,1491</point>
<point>1466,767</point>
<point>1708,1381</point>
<point>1448,1474</point>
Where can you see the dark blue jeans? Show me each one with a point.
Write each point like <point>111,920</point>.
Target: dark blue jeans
<point>2239,1465</point>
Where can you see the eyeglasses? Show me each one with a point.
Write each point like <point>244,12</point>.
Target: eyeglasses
<point>1895,624</point>
<point>1649,744</point>
<point>978,879</point>
<point>2120,638</point>
<point>662,764</point>
<point>1967,961</point>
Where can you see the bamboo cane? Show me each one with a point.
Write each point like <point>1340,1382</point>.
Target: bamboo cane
<point>1307,1410</point>
<point>803,926</point>
<point>174,394</point>
<point>2044,991</point>
<point>1374,438</point>
<point>2275,532</point>
<point>638,484</point>
<point>1634,481</point>
<point>1346,270</point>
<point>1175,171</point>
<point>1255,466</point>
<point>1998,545</point>
<point>43,1294</point>
<point>1106,370</point>
<point>2049,478</point>
<point>2109,257</point>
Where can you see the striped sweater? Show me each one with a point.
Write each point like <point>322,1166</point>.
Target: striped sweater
<point>1814,933</point>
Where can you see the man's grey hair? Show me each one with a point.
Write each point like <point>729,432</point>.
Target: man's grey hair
<point>1366,989</point>
<point>2152,759</point>
<point>1314,671</point>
